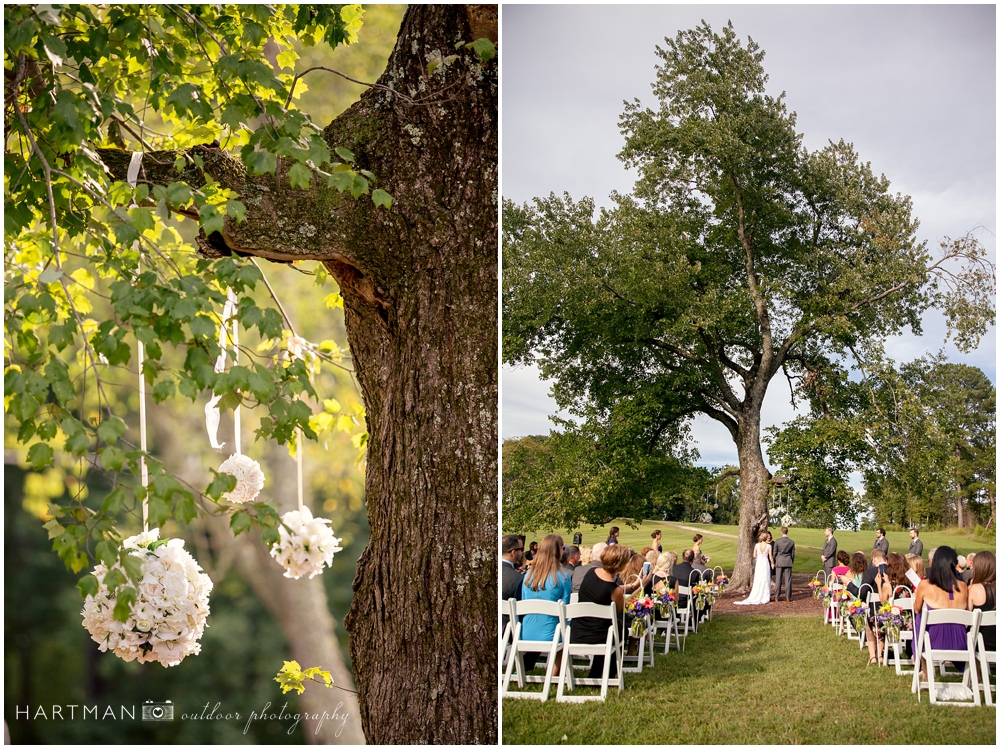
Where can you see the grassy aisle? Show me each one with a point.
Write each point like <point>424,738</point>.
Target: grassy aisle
<point>754,680</point>
<point>720,540</point>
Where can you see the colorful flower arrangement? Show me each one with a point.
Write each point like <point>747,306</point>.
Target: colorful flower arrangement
<point>663,599</point>
<point>722,581</point>
<point>857,611</point>
<point>636,612</point>
<point>704,594</point>
<point>249,478</point>
<point>816,586</point>
<point>306,544</point>
<point>890,620</point>
<point>168,613</point>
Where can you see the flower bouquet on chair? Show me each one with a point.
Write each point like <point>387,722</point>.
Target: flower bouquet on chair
<point>891,620</point>
<point>663,599</point>
<point>857,611</point>
<point>638,612</point>
<point>722,581</point>
<point>816,587</point>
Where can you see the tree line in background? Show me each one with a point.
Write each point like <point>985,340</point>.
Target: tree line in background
<point>922,436</point>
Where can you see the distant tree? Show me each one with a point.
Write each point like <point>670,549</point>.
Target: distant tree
<point>740,255</point>
<point>923,437</point>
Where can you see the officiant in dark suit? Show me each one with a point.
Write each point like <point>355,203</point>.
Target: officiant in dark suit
<point>784,556</point>
<point>512,549</point>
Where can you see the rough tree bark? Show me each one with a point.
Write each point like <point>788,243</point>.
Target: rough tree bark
<point>420,296</point>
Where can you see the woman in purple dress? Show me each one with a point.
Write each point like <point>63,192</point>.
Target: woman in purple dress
<point>943,589</point>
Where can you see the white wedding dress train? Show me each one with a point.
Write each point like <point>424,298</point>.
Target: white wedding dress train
<point>761,590</point>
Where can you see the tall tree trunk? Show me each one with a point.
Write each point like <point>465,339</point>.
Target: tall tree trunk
<point>754,478</point>
<point>419,283</point>
<point>958,491</point>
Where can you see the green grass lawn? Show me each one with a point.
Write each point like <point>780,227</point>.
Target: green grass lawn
<point>754,680</point>
<point>808,541</point>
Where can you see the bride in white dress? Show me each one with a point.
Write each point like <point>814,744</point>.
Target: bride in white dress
<point>761,591</point>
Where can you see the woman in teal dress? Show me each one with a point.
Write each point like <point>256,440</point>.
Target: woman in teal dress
<point>544,581</point>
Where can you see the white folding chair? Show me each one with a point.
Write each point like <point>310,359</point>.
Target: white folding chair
<point>640,658</point>
<point>986,657</point>
<point>613,647</point>
<point>685,614</point>
<point>833,608</point>
<point>519,647</point>
<point>574,597</point>
<point>905,635</point>
<point>930,656</point>
<point>667,625</point>
<point>508,632</point>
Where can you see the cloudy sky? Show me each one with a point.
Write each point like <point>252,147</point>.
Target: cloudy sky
<point>912,87</point>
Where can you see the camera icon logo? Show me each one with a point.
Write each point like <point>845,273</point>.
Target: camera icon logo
<point>157,710</point>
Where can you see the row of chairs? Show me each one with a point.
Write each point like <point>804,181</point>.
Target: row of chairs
<point>674,628</point>
<point>933,659</point>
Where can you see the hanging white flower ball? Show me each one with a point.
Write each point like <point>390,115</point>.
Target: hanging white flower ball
<point>169,615</point>
<point>705,517</point>
<point>306,544</point>
<point>786,520</point>
<point>249,478</point>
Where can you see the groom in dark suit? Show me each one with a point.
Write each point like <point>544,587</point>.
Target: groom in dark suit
<point>829,553</point>
<point>784,555</point>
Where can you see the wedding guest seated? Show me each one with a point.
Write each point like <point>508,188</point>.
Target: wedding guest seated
<point>942,590</point>
<point>843,565</point>
<point>855,573</point>
<point>881,585</point>
<point>680,574</point>
<point>585,555</point>
<point>529,555</point>
<point>930,557</point>
<point>632,577</point>
<point>969,571</point>
<point>570,559</point>
<point>698,565</point>
<point>917,565</point>
<point>661,570</point>
<point>897,567</point>
<point>513,553</point>
<point>983,593</point>
<point>599,586</point>
<point>544,581</point>
<point>645,551</point>
<point>651,556</point>
<point>595,562</point>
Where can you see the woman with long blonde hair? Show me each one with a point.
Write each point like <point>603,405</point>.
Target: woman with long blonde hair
<point>545,581</point>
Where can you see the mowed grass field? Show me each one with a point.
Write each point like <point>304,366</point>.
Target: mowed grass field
<point>747,679</point>
<point>720,540</point>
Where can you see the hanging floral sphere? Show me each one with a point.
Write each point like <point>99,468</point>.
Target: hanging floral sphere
<point>249,478</point>
<point>705,517</point>
<point>306,544</point>
<point>168,617</point>
<point>786,520</point>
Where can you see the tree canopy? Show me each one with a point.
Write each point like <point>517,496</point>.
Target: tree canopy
<point>740,254</point>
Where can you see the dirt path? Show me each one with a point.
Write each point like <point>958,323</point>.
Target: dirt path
<point>802,603</point>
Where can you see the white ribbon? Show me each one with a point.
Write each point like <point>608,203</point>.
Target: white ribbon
<point>212,414</point>
<point>133,174</point>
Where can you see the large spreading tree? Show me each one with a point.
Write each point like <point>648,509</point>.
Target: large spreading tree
<point>396,198</point>
<point>741,254</point>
